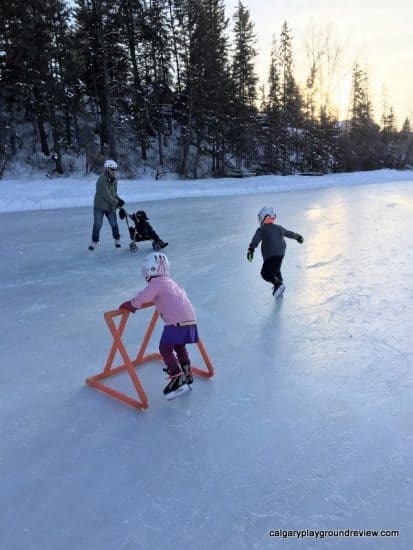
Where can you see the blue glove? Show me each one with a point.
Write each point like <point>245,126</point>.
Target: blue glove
<point>121,203</point>
<point>250,254</point>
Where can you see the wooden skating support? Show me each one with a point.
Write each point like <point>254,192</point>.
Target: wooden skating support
<point>129,365</point>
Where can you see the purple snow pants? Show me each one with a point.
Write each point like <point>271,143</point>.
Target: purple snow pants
<point>173,339</point>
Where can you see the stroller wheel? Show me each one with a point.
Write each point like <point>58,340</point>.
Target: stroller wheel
<point>133,247</point>
<point>158,245</point>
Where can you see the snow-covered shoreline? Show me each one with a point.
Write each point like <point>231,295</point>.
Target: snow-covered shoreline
<point>41,193</point>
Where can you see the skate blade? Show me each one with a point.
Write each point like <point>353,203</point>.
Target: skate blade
<point>279,292</point>
<point>179,391</point>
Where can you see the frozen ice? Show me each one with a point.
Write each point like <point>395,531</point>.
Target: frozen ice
<point>308,421</point>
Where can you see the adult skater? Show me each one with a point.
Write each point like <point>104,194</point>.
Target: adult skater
<point>105,204</point>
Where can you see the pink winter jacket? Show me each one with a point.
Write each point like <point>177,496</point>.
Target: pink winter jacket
<point>169,298</point>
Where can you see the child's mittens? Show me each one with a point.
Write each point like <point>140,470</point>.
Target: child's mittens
<point>300,239</point>
<point>128,306</point>
<point>250,254</point>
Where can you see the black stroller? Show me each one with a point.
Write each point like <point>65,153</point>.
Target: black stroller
<point>141,230</point>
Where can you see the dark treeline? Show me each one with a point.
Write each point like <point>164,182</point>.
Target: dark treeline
<point>165,84</point>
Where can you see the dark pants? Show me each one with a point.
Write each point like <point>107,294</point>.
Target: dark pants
<point>271,269</point>
<point>98,220</point>
<point>167,352</point>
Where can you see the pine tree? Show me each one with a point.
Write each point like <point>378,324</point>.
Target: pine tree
<point>389,136</point>
<point>404,153</point>
<point>291,115</point>
<point>133,25</point>
<point>35,71</point>
<point>272,130</point>
<point>365,146</point>
<point>290,95</point>
<point>243,71</point>
<point>206,81</point>
<point>274,106</point>
<point>102,64</point>
<point>156,57</point>
<point>244,82</point>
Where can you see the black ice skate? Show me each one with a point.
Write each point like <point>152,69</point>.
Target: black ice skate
<point>186,369</point>
<point>176,386</point>
<point>278,289</point>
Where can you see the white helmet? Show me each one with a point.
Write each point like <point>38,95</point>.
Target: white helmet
<point>154,265</point>
<point>111,164</point>
<point>266,212</point>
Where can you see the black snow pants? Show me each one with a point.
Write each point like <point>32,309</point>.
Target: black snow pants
<point>271,269</point>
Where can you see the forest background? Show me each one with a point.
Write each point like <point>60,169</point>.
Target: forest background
<point>170,87</point>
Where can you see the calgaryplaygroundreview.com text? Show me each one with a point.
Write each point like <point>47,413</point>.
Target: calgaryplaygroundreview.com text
<point>326,533</point>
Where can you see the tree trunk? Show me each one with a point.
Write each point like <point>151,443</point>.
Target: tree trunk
<point>139,113</point>
<point>57,155</point>
<point>43,137</point>
<point>197,155</point>
<point>160,148</point>
<point>103,90</point>
<point>175,48</point>
<point>106,115</point>
<point>68,126</point>
<point>185,139</point>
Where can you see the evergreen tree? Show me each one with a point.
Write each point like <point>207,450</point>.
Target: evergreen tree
<point>134,31</point>
<point>389,136</point>
<point>290,96</point>
<point>156,57</point>
<point>206,80</point>
<point>291,114</point>
<point>35,75</point>
<point>361,105</point>
<point>364,151</point>
<point>244,82</point>
<point>102,64</point>
<point>274,106</point>
<point>404,154</point>
<point>243,72</point>
<point>273,149</point>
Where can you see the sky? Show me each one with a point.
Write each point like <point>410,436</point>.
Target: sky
<point>377,33</point>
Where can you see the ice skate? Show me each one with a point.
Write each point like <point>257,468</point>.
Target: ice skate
<point>278,289</point>
<point>186,369</point>
<point>176,386</point>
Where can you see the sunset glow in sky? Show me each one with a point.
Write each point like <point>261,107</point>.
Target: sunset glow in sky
<point>375,33</point>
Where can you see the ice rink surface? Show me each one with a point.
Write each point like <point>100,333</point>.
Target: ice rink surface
<point>307,423</point>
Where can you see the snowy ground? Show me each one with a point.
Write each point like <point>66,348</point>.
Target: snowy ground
<point>307,423</point>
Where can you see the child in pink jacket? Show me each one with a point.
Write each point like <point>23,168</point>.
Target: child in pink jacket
<point>177,312</point>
